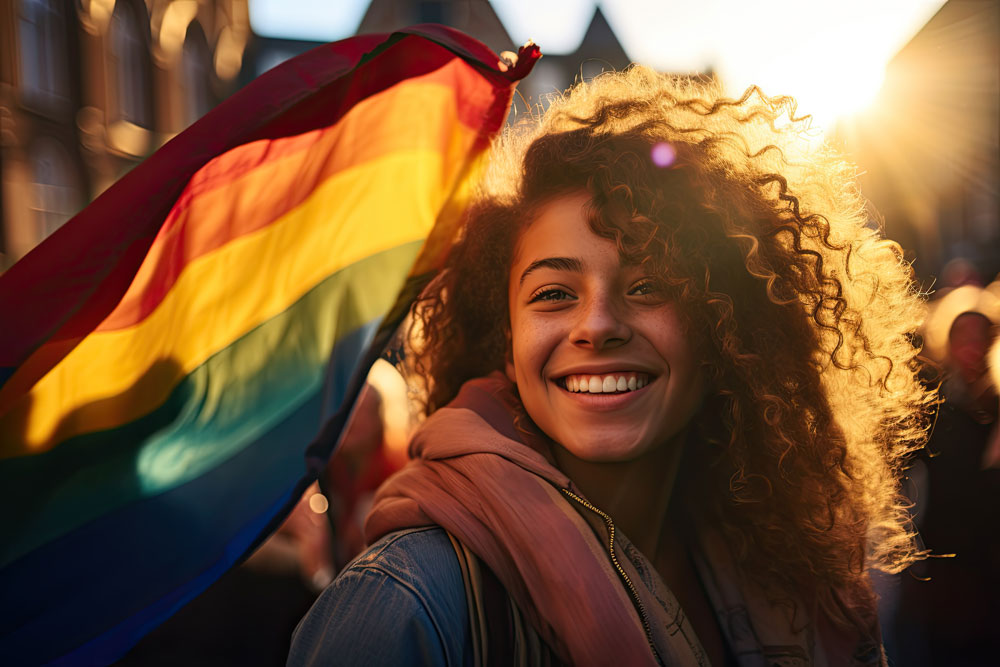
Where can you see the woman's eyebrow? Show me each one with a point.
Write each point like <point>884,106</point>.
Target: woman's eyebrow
<point>557,263</point>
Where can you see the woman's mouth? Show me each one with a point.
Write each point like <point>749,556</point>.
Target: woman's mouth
<point>605,383</point>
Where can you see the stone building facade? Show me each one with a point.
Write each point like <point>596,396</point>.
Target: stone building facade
<point>90,87</point>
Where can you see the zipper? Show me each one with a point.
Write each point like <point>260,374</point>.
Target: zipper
<point>621,571</point>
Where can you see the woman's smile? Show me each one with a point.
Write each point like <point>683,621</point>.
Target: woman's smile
<point>603,383</point>
<point>604,392</point>
<point>600,357</point>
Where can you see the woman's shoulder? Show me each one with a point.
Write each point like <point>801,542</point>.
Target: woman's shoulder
<point>413,555</point>
<point>400,602</point>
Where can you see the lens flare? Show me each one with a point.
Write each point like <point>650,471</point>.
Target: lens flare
<point>318,503</point>
<point>663,155</point>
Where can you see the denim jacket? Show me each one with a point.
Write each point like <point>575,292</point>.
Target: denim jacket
<point>402,602</point>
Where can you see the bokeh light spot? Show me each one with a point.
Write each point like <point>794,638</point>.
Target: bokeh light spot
<point>663,154</point>
<point>318,503</point>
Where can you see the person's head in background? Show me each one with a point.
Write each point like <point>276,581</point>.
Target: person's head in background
<point>969,338</point>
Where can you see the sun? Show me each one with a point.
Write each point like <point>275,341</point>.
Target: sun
<point>838,91</point>
<point>834,68</point>
<point>828,90</point>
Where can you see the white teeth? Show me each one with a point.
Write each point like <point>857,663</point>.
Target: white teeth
<point>605,384</point>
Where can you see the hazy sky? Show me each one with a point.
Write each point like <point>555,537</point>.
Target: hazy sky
<point>829,53</point>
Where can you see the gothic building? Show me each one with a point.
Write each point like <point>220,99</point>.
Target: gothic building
<point>90,87</point>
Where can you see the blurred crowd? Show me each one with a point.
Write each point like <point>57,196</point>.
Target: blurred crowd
<point>944,610</point>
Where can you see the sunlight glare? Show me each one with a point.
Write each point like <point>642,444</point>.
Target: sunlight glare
<point>828,90</point>
<point>829,54</point>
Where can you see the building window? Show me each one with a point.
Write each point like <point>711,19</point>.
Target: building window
<point>56,191</point>
<point>129,58</point>
<point>195,70</point>
<point>43,63</point>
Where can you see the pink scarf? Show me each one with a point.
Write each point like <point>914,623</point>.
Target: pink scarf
<point>495,488</point>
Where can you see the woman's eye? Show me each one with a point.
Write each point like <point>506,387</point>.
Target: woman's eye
<point>549,294</point>
<point>644,288</point>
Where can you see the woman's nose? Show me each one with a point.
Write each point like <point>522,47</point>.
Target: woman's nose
<point>600,324</point>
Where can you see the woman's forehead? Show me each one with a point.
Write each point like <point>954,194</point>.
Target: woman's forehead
<point>559,228</point>
<point>560,224</point>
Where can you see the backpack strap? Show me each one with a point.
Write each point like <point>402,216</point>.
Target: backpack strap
<point>500,634</point>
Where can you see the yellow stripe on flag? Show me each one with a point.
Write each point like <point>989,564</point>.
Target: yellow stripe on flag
<point>220,296</point>
<point>377,126</point>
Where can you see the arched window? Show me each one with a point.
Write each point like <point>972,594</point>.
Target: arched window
<point>56,191</point>
<point>44,75</point>
<point>196,67</point>
<point>129,57</point>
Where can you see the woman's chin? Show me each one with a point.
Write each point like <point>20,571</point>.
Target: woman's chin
<point>605,450</point>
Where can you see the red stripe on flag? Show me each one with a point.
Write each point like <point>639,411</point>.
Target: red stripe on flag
<point>70,283</point>
<point>64,288</point>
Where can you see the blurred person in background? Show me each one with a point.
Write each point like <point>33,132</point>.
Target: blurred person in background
<point>358,466</point>
<point>950,607</point>
<point>991,456</point>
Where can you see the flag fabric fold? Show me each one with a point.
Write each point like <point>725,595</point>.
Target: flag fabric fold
<point>169,353</point>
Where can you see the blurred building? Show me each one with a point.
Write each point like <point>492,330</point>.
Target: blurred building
<point>930,148</point>
<point>599,51</point>
<point>90,87</point>
<point>473,17</point>
<point>599,48</point>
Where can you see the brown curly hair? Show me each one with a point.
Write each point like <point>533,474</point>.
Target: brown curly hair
<point>766,244</point>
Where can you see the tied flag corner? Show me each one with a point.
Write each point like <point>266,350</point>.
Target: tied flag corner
<point>168,352</point>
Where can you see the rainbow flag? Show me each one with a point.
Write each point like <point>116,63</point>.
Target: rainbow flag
<point>168,355</point>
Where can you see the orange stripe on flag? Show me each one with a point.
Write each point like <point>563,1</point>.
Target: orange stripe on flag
<point>211,217</point>
<point>256,197</point>
<point>381,204</point>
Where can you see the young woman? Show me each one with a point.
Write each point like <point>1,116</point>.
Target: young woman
<point>670,379</point>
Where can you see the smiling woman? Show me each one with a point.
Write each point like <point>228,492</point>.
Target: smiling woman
<point>585,323</point>
<point>668,403</point>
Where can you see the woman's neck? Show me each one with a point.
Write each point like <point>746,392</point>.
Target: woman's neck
<point>636,494</point>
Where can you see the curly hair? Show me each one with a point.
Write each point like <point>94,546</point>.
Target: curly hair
<point>766,244</point>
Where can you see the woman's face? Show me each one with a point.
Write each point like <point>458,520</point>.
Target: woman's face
<point>599,357</point>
